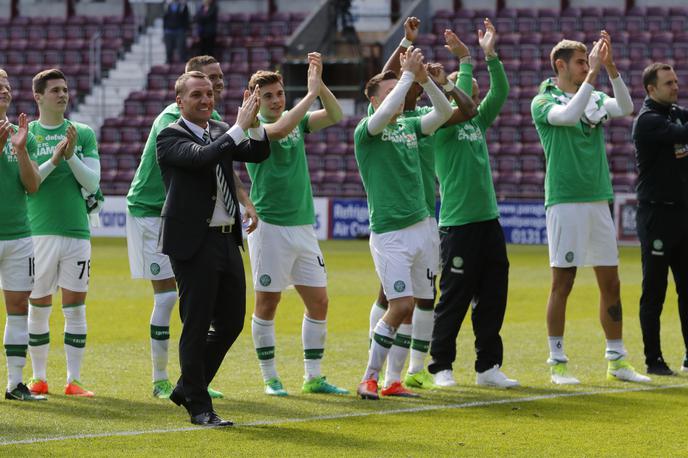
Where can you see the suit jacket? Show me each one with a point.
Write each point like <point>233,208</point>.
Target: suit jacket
<point>188,172</point>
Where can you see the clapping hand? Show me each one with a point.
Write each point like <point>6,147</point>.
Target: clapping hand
<point>5,129</point>
<point>412,61</point>
<point>437,73</point>
<point>411,27</point>
<point>455,46</point>
<point>488,38</point>
<point>246,116</point>
<point>314,73</point>
<point>19,137</point>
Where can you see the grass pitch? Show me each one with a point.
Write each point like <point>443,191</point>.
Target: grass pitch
<point>596,418</point>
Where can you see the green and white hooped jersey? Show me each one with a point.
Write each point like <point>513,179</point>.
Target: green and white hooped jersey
<point>58,208</point>
<point>14,219</point>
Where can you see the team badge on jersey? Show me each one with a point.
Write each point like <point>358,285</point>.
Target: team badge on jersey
<point>569,256</point>
<point>265,280</point>
<point>399,286</point>
<point>155,268</point>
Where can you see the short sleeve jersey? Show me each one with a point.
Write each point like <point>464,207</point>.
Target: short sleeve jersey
<point>13,209</point>
<point>389,165</point>
<point>281,185</point>
<point>426,149</point>
<point>146,195</point>
<point>58,208</point>
<point>576,161</point>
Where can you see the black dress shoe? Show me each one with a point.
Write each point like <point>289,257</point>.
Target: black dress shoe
<point>178,399</point>
<point>209,419</point>
<point>659,367</point>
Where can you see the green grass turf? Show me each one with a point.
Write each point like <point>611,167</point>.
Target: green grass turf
<point>600,418</point>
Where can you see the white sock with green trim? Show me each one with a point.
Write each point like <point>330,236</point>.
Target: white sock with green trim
<point>421,334</point>
<point>16,340</point>
<point>313,335</point>
<point>377,311</point>
<point>264,342</point>
<point>397,354</point>
<point>615,350</point>
<point>39,339</point>
<point>163,304</point>
<point>383,337</point>
<point>74,339</point>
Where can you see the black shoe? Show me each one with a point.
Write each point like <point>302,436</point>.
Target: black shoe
<point>659,367</point>
<point>178,399</point>
<point>22,393</point>
<point>209,419</point>
<point>684,367</point>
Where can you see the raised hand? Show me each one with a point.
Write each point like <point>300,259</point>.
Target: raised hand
<point>246,115</point>
<point>412,61</point>
<point>70,142</point>
<point>5,129</point>
<point>488,38</point>
<point>314,79</point>
<point>411,26</point>
<point>455,46</point>
<point>609,59</point>
<point>436,71</point>
<point>18,138</point>
<point>597,53</point>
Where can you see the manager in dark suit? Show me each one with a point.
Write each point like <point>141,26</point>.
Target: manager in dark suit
<point>201,233</point>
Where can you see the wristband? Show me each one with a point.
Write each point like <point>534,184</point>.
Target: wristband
<point>405,43</point>
<point>448,86</point>
<point>466,60</point>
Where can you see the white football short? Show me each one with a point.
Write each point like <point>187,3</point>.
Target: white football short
<point>145,261</point>
<point>406,260</point>
<point>581,234</point>
<point>285,255</point>
<point>61,261</point>
<point>17,265</point>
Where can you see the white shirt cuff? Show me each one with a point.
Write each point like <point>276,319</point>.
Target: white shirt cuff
<point>236,133</point>
<point>256,133</point>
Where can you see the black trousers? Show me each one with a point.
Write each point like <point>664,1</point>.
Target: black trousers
<point>663,234</point>
<point>474,267</point>
<point>212,306</point>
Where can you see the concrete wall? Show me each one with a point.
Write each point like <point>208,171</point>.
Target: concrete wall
<point>98,8</point>
<point>243,6</point>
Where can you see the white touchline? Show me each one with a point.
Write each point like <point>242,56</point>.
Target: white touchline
<point>336,416</point>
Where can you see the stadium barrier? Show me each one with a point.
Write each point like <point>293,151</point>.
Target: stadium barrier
<point>523,221</point>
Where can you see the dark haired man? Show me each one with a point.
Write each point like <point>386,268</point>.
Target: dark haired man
<point>569,115</point>
<point>660,134</point>
<point>70,168</point>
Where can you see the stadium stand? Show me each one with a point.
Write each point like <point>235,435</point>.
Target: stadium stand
<point>253,40</point>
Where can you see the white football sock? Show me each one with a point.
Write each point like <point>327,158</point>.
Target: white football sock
<point>313,335</point>
<point>421,334</point>
<point>264,342</point>
<point>16,341</point>
<point>383,337</point>
<point>163,304</point>
<point>74,339</point>
<point>39,339</point>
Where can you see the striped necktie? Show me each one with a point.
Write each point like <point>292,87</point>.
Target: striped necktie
<point>222,182</point>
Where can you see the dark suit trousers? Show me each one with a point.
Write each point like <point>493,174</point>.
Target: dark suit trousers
<point>212,306</point>
<point>474,267</point>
